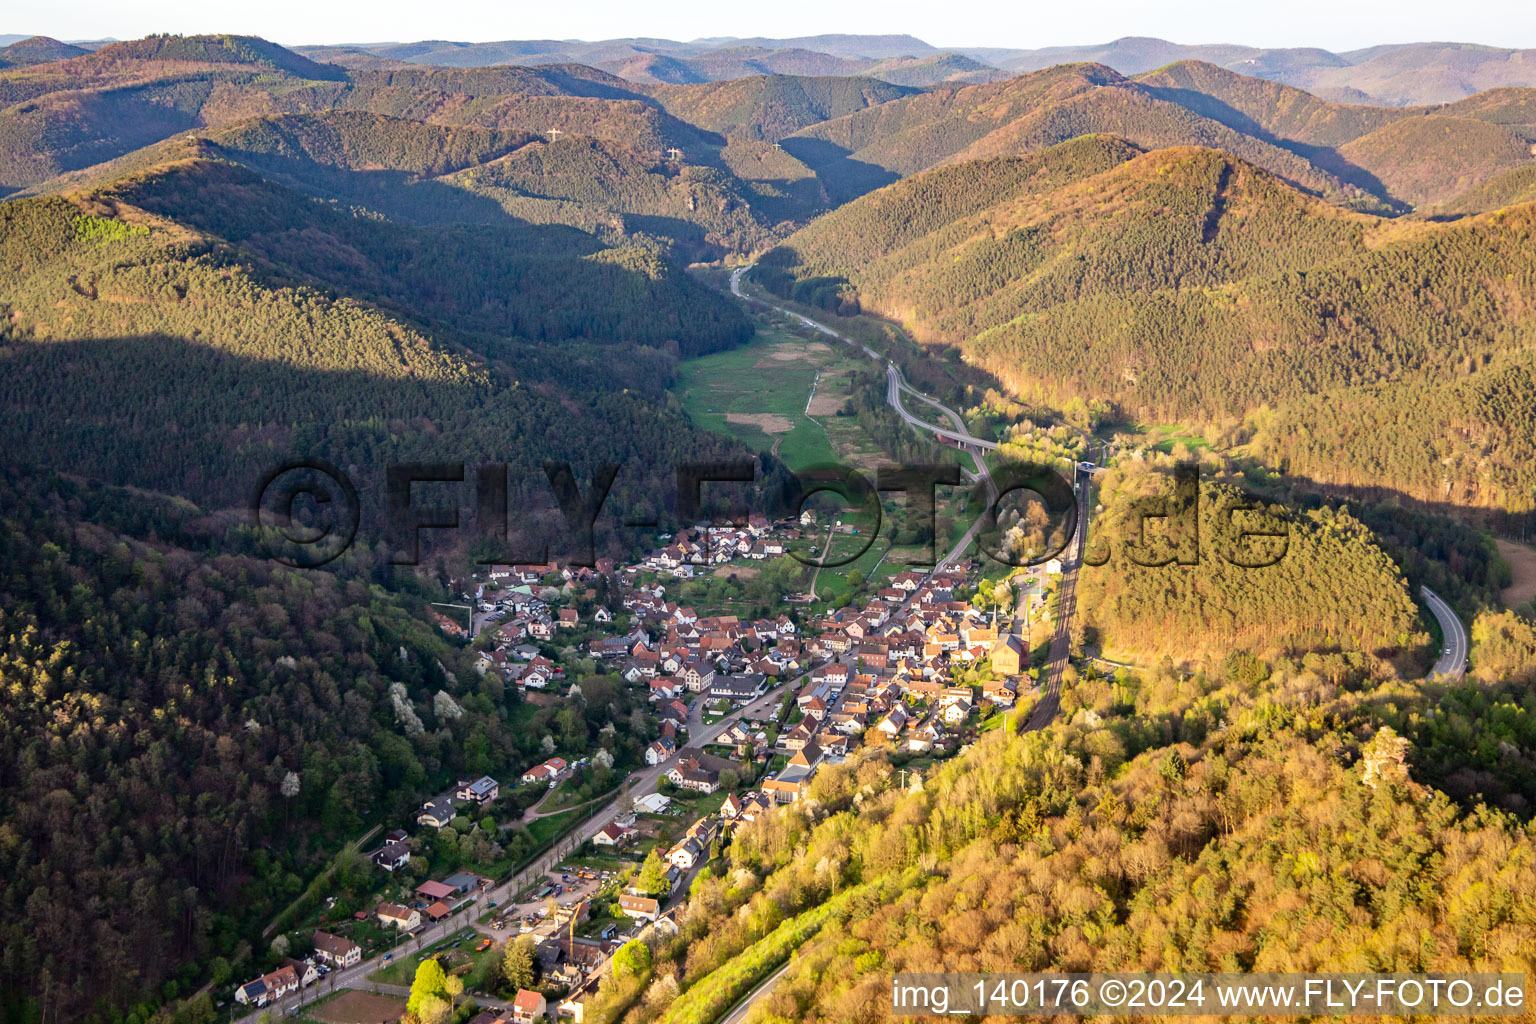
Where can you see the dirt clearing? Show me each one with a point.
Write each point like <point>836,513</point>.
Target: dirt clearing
<point>1522,564</point>
<point>825,402</point>
<point>786,354</point>
<point>354,1007</point>
<point>767,422</point>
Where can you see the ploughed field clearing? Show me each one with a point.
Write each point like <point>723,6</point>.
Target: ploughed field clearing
<point>354,1007</point>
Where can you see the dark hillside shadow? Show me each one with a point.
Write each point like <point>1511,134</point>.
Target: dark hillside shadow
<point>503,280</point>
<point>844,177</point>
<point>1324,158</point>
<point>182,418</point>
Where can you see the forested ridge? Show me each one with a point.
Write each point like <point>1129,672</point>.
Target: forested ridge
<point>156,696</point>
<point>1319,584</point>
<point>280,349</point>
<point>1184,285</point>
<point>1253,816</point>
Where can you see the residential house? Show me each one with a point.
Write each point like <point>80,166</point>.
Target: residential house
<point>892,724</point>
<point>1003,693</point>
<point>436,813</point>
<point>734,735</point>
<point>392,915</point>
<point>567,618</point>
<point>337,951</point>
<point>660,750</point>
<point>641,908</point>
<point>834,674</point>
<point>613,834</point>
<point>391,856</point>
<point>754,805</point>
<point>305,970</point>
<point>672,710</point>
<point>665,687</point>
<point>549,772</point>
<point>926,736</point>
<point>689,773</point>
<point>268,988</point>
<point>529,1007</point>
<point>687,853</point>
<point>800,735</point>
<point>833,748</point>
<point>478,791</point>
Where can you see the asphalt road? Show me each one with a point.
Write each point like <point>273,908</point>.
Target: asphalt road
<point>1061,640</point>
<point>739,1012</point>
<point>1453,654</point>
<point>640,783</point>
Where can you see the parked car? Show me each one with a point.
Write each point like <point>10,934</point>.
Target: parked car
<point>389,956</point>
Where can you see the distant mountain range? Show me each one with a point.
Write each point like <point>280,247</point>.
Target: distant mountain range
<point>767,149</point>
<point>1407,74</point>
<point>1397,75</point>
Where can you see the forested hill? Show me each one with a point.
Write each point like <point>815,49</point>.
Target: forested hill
<point>1183,284</point>
<point>1326,587</point>
<point>256,324</point>
<point>192,731</point>
<point>1259,817</point>
<point>773,106</point>
<point>1373,158</point>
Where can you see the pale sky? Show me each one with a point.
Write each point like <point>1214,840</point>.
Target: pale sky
<point>1331,24</point>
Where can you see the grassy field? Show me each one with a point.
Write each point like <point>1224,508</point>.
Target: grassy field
<point>402,970</point>
<point>546,829</point>
<point>758,394</point>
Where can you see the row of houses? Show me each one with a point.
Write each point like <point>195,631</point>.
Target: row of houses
<point>440,810</point>
<point>332,952</point>
<point>709,544</point>
<point>693,848</point>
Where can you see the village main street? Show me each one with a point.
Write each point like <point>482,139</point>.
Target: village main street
<point>639,783</point>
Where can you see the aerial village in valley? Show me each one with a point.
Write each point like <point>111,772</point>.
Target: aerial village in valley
<point>732,720</point>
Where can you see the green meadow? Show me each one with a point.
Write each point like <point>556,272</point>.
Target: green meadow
<point>758,394</point>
